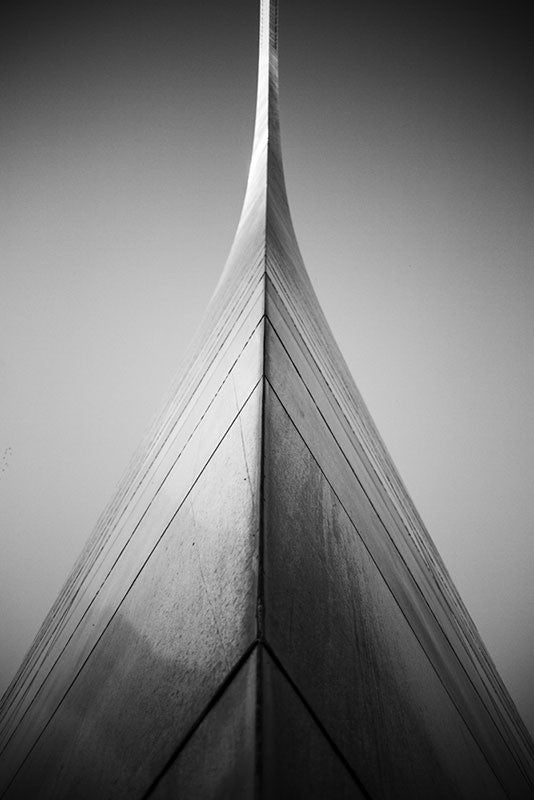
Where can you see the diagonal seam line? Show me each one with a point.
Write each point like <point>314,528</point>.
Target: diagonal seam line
<point>317,720</point>
<point>499,714</point>
<point>98,546</point>
<point>433,555</point>
<point>131,536</point>
<point>396,601</point>
<point>129,589</point>
<point>202,716</point>
<point>341,414</point>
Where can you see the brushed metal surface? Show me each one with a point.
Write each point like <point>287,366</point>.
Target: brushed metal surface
<point>297,760</point>
<point>108,727</point>
<point>262,519</point>
<point>402,569</point>
<point>219,760</point>
<point>349,647</point>
<point>163,491</point>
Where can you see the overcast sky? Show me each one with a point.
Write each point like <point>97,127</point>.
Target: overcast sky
<point>126,131</point>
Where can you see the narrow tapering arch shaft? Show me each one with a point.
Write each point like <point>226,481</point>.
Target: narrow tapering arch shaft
<point>265,196</point>
<point>266,149</point>
<point>262,483</point>
<point>266,125</point>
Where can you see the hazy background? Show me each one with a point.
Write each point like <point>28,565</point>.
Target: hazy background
<point>126,131</point>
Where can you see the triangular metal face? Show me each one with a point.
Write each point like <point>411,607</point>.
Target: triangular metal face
<point>260,611</point>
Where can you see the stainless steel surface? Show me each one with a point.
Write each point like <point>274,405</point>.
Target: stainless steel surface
<point>403,572</point>
<point>297,759</point>
<point>219,760</point>
<point>260,608</point>
<point>350,648</point>
<point>117,712</point>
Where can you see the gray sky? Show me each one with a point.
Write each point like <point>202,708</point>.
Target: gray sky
<point>125,138</point>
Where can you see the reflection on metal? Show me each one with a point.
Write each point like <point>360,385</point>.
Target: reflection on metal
<point>260,611</point>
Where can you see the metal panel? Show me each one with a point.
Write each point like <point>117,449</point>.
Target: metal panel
<point>110,568</point>
<point>336,627</point>
<point>183,625</point>
<point>220,758</point>
<point>405,533</point>
<point>381,661</point>
<point>294,759</point>
<point>403,572</point>
<point>297,760</point>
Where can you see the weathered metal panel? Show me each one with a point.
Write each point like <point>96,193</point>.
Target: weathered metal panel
<point>219,760</point>
<point>473,685</point>
<point>258,740</point>
<point>376,671</point>
<point>297,760</point>
<point>117,562</point>
<point>183,624</point>
<point>336,627</point>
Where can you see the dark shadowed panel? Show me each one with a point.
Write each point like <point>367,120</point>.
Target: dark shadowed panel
<point>186,621</point>
<point>219,759</point>
<point>297,760</point>
<point>343,639</point>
